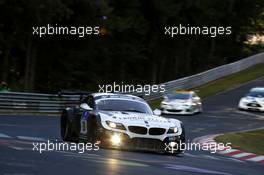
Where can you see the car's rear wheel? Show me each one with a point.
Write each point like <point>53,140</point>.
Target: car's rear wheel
<point>67,132</point>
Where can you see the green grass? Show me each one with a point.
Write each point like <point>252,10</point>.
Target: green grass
<point>224,83</point>
<point>231,81</point>
<point>252,141</point>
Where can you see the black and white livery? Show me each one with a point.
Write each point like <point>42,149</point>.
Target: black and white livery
<point>123,122</point>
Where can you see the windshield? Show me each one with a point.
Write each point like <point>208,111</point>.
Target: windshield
<point>123,105</point>
<point>180,96</point>
<point>259,94</point>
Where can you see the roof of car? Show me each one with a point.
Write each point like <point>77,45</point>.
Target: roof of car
<point>257,89</point>
<point>184,91</point>
<point>116,95</point>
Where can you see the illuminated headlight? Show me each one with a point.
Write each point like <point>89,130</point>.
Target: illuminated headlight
<point>112,125</point>
<point>189,104</point>
<point>173,130</point>
<point>116,139</point>
<point>164,103</point>
<point>115,125</point>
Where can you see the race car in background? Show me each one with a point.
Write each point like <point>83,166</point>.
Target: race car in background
<point>253,101</point>
<point>123,122</point>
<point>181,102</point>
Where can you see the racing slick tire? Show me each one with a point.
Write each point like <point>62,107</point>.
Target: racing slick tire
<point>68,126</point>
<point>183,141</point>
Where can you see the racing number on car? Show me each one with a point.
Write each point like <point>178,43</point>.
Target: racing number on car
<point>84,122</point>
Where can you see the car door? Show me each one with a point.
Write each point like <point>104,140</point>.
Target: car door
<point>88,105</point>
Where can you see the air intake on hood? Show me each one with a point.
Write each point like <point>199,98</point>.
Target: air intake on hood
<point>138,129</point>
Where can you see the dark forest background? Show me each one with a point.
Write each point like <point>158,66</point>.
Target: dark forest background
<point>134,49</point>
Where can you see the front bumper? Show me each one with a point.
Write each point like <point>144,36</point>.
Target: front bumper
<point>139,143</point>
<point>166,109</point>
<point>251,106</point>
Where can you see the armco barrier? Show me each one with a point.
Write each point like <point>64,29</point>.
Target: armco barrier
<point>32,103</point>
<point>28,103</point>
<point>208,76</point>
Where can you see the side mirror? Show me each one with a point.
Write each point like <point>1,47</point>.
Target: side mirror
<point>157,112</point>
<point>86,106</point>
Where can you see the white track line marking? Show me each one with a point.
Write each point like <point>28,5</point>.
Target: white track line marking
<point>190,155</point>
<point>17,148</point>
<point>211,157</point>
<point>227,151</point>
<point>31,138</point>
<point>4,136</point>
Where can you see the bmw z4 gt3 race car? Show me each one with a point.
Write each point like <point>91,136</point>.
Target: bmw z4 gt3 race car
<point>253,101</point>
<point>181,102</point>
<point>123,122</point>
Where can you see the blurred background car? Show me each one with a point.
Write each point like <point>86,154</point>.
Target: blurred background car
<point>181,102</point>
<point>254,100</point>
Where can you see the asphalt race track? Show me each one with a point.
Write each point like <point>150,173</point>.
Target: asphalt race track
<point>17,133</point>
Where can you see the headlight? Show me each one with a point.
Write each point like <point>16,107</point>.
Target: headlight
<point>188,103</point>
<point>164,103</point>
<point>172,130</point>
<point>116,125</point>
<point>245,100</point>
<point>116,139</point>
<point>112,125</point>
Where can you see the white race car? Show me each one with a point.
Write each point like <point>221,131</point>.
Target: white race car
<point>123,122</point>
<point>181,102</point>
<point>254,100</point>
